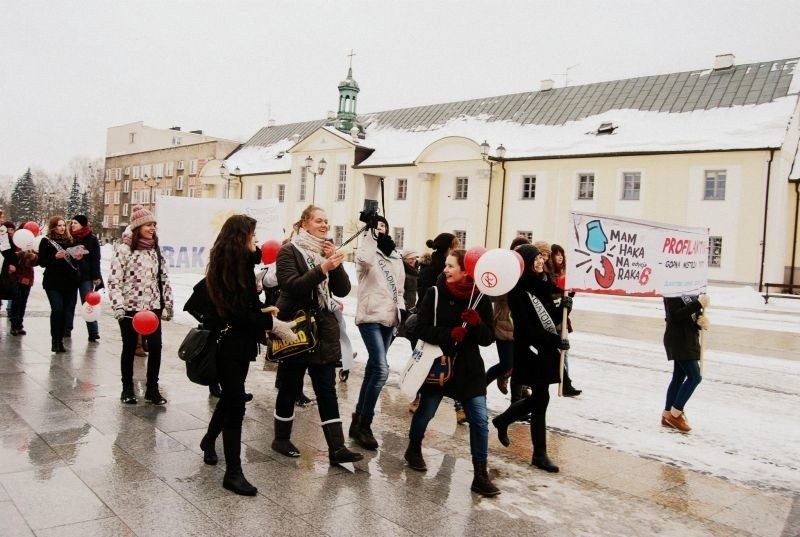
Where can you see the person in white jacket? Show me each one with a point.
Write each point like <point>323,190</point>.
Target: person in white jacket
<point>381,278</point>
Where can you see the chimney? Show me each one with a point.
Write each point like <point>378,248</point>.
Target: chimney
<point>331,114</point>
<point>354,133</point>
<point>724,61</point>
<point>270,123</point>
<point>196,132</point>
<point>295,138</point>
<point>175,128</point>
<point>547,85</point>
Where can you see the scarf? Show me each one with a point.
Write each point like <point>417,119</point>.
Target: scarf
<point>61,239</point>
<point>143,244</point>
<point>82,232</point>
<point>462,289</point>
<point>311,249</point>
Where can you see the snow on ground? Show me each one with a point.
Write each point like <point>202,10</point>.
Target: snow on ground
<point>745,414</point>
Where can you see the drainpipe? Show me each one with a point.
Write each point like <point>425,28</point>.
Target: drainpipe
<point>488,202</point>
<point>764,233</point>
<point>794,235</point>
<point>502,203</point>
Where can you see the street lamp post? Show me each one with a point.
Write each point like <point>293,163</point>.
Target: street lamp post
<point>225,174</point>
<point>151,182</point>
<point>320,170</point>
<point>500,154</point>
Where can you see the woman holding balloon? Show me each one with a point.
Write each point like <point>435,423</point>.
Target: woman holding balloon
<point>452,316</point>
<point>140,295</point>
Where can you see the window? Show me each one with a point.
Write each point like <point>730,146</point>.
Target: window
<point>715,185</point>
<point>108,176</point>
<point>192,191</point>
<point>158,169</point>
<point>193,167</point>
<point>585,186</point>
<point>180,165</point>
<point>302,194</point>
<point>402,189</point>
<point>461,235</point>
<point>146,172</point>
<point>107,198</point>
<point>116,197</point>
<point>105,220</point>
<point>169,169</point>
<point>527,234</point>
<point>529,187</point>
<point>131,137</point>
<point>177,140</point>
<point>179,182</point>
<point>117,174</point>
<point>462,185</point>
<point>115,220</point>
<point>124,209</point>
<point>341,190</point>
<point>338,235</point>
<point>714,251</point>
<point>399,237</point>
<point>135,197</point>
<point>165,192</point>
<point>259,192</point>
<point>136,171</point>
<point>631,184</point>
<point>126,186</point>
<point>281,193</point>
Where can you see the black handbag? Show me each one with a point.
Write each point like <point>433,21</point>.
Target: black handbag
<point>307,340</point>
<point>199,351</point>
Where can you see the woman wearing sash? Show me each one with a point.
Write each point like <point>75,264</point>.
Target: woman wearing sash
<point>61,278</point>
<point>536,351</point>
<point>310,273</point>
<point>381,280</point>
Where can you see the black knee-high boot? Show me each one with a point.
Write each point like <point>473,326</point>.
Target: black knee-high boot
<point>513,413</point>
<point>210,438</point>
<point>234,479</point>
<point>337,451</point>
<point>282,442</point>
<point>539,439</point>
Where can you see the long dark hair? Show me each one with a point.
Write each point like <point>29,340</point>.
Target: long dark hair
<point>136,236</point>
<point>557,270</point>
<point>229,274</point>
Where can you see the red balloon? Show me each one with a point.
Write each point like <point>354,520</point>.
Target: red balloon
<point>269,251</point>
<point>521,261</point>
<point>93,298</point>
<point>33,227</point>
<point>471,258</point>
<point>145,322</point>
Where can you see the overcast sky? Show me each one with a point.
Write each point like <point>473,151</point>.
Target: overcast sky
<point>70,69</point>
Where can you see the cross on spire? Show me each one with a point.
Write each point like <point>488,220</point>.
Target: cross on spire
<point>351,57</point>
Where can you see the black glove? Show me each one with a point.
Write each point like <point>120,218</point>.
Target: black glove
<point>385,244</point>
<point>344,374</point>
<point>566,302</point>
<point>564,345</point>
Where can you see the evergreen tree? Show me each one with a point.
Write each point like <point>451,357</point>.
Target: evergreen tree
<point>23,199</point>
<point>85,207</point>
<point>74,203</point>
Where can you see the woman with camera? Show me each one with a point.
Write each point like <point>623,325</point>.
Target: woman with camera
<point>310,273</point>
<point>381,280</point>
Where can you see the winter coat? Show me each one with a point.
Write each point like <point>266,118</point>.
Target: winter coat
<point>469,373</point>
<point>59,274</point>
<point>381,281</point>
<point>89,264</point>
<point>133,281</point>
<point>540,367</point>
<point>429,274</point>
<point>410,286</point>
<point>682,335</point>
<point>503,327</point>
<point>298,285</point>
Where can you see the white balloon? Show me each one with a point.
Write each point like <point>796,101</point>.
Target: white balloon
<point>497,272</point>
<point>23,238</point>
<point>90,313</point>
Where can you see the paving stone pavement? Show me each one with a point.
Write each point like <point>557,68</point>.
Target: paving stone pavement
<point>74,461</point>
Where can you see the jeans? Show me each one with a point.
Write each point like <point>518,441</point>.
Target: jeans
<point>476,416</point>
<point>16,313</point>
<point>129,337</point>
<point>377,339</point>
<point>685,378</point>
<point>61,304</point>
<point>323,379</point>
<point>91,326</point>
<point>505,352</point>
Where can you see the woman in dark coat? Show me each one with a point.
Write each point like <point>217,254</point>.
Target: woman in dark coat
<point>684,317</point>
<point>231,286</point>
<point>535,317</point>
<point>89,265</point>
<point>310,273</point>
<point>459,331</point>
<point>61,278</point>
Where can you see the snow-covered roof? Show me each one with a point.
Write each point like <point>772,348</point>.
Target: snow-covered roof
<point>741,107</point>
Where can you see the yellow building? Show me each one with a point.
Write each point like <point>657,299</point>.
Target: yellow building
<point>715,148</point>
